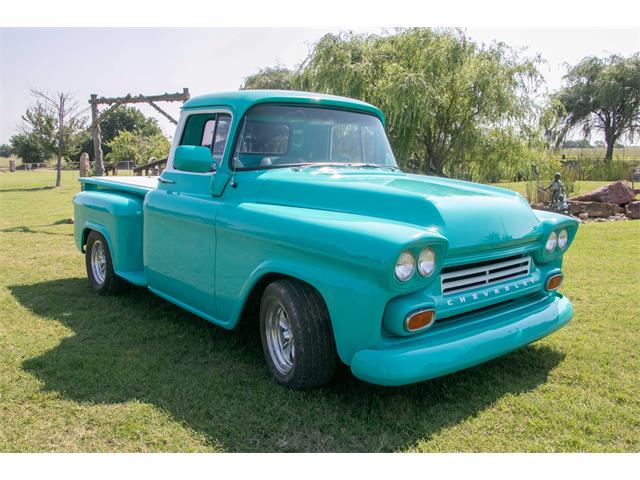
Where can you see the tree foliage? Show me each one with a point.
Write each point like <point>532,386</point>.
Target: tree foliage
<point>602,95</point>
<point>443,95</point>
<point>6,150</point>
<point>121,119</point>
<point>270,78</point>
<point>29,148</point>
<point>55,123</point>
<point>137,147</point>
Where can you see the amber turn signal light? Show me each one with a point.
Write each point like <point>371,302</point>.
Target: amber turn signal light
<point>420,320</point>
<point>554,282</point>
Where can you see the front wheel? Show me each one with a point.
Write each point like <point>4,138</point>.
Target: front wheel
<point>296,334</point>
<point>99,265</point>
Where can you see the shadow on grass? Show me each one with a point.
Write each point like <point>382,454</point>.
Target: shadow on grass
<point>137,346</point>
<point>28,229</point>
<point>30,189</point>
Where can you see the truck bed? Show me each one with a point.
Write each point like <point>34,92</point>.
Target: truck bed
<point>132,184</point>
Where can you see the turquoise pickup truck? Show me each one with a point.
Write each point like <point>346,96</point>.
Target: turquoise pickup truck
<point>288,209</point>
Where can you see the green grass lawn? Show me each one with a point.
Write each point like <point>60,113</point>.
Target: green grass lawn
<point>80,372</point>
<point>580,186</point>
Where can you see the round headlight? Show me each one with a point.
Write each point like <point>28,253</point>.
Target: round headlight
<point>563,239</point>
<point>404,266</point>
<point>552,241</point>
<point>426,262</point>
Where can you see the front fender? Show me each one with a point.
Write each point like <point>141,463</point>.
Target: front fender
<point>349,259</point>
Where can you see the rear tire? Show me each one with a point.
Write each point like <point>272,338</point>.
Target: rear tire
<point>102,278</point>
<point>297,338</point>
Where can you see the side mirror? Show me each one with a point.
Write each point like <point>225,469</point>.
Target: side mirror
<point>190,158</point>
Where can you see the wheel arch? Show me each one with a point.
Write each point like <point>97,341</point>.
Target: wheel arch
<point>251,305</point>
<point>87,229</point>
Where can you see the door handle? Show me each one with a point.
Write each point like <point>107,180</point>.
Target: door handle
<point>164,180</point>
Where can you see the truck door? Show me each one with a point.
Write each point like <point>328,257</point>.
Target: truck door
<point>179,223</point>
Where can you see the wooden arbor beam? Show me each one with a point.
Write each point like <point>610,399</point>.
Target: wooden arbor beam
<point>169,117</point>
<point>165,97</point>
<point>114,102</point>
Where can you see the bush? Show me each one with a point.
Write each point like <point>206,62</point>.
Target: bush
<point>599,169</point>
<point>133,146</point>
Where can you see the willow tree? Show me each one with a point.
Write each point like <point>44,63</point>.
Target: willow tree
<point>270,78</point>
<point>603,95</point>
<point>441,92</point>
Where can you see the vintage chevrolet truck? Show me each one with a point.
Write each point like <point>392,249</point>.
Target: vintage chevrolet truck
<point>288,209</point>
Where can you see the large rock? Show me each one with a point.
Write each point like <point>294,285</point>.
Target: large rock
<point>619,192</point>
<point>594,209</point>
<point>633,209</point>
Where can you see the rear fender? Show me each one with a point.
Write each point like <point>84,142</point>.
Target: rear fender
<point>118,217</point>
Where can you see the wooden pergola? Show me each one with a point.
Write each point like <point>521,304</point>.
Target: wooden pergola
<point>114,102</point>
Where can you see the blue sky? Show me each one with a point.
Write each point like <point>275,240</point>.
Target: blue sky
<point>113,62</point>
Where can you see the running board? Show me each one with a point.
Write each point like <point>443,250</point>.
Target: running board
<point>137,277</point>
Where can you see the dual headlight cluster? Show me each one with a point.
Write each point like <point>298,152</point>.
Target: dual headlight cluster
<point>407,264</point>
<point>557,239</point>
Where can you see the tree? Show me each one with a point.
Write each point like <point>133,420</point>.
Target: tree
<point>584,143</point>
<point>270,78</point>
<point>6,150</point>
<point>121,119</point>
<point>29,148</point>
<point>135,146</point>
<point>603,95</point>
<point>56,123</point>
<point>441,93</point>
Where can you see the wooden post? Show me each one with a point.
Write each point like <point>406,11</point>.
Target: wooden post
<point>84,164</point>
<point>115,102</point>
<point>97,139</point>
<point>12,165</point>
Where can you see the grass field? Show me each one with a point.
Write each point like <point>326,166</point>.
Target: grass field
<point>629,153</point>
<point>80,372</point>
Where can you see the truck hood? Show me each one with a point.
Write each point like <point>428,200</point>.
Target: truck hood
<point>469,215</point>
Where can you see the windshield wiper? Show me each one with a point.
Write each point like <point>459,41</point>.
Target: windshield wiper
<point>372,165</point>
<point>348,164</point>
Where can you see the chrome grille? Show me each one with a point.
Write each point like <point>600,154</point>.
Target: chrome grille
<point>467,277</point>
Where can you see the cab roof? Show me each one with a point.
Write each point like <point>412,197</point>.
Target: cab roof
<point>241,100</point>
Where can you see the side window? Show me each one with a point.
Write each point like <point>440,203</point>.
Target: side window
<point>207,130</point>
<point>199,129</point>
<point>207,134</point>
<point>221,134</point>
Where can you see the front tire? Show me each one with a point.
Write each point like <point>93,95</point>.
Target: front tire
<point>102,278</point>
<point>296,335</point>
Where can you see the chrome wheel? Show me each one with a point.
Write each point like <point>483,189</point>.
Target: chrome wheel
<point>98,262</point>
<point>279,338</point>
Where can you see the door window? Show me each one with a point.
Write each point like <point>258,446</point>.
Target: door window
<point>207,130</point>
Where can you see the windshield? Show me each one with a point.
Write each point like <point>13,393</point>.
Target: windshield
<point>279,135</point>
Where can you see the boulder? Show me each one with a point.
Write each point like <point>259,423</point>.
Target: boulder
<point>593,209</point>
<point>619,192</point>
<point>633,209</point>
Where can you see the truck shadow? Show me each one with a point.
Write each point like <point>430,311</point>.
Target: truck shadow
<point>139,347</point>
